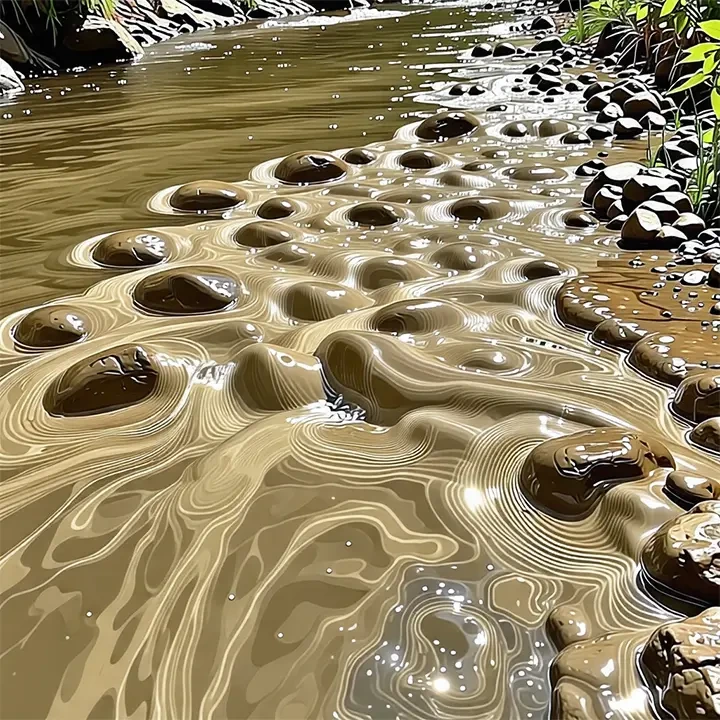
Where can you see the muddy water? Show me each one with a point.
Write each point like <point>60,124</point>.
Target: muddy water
<point>279,473</point>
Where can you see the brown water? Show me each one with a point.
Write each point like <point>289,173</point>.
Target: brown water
<point>203,527</point>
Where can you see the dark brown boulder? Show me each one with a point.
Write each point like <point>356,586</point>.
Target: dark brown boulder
<point>109,380</point>
<point>682,558</point>
<point>567,476</point>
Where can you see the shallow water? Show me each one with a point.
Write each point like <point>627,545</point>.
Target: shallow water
<point>306,501</point>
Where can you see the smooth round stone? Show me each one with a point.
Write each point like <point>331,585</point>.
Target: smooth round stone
<point>687,489</point>
<point>579,219</point>
<point>576,137</point>
<point>459,89</point>
<point>599,132</point>
<point>566,625</point>
<point>446,125</point>
<point>132,248</point>
<point>50,326</point>
<point>421,159</point>
<point>548,128</point>
<point>308,168</point>
<point>567,476</point>
<point>680,556</point>
<point>106,381</point>
<point>616,333</point>
<point>698,396</point>
<point>504,50</point>
<point>359,156</point>
<point>538,269</point>
<point>265,233</point>
<point>515,129</point>
<point>183,291</point>
<point>707,434</point>
<point>482,50</point>
<point>475,209</point>
<point>694,278</point>
<point>627,128</point>
<point>207,196</point>
<point>277,208</point>
<point>532,173</point>
<point>373,214</point>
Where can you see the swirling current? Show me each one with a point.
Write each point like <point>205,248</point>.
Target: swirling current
<point>267,440</point>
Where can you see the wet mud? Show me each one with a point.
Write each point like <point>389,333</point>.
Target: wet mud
<point>388,428</point>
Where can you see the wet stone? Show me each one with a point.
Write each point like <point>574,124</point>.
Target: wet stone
<point>575,137</point>
<point>534,173</point>
<point>698,396</point>
<point>667,213</point>
<point>421,159</point>
<point>307,168</point>
<point>682,557</point>
<point>132,248</point>
<point>707,434</point>
<point>482,50</point>
<point>549,44</point>
<point>567,624</point>
<point>549,128</point>
<point>617,334</point>
<point>682,662</point>
<point>446,125</point>
<point>277,208</point>
<point>265,233</point>
<point>359,156</point>
<point>688,489</point>
<point>373,214</point>
<point>694,277</point>
<point>689,223</point>
<point>207,196</point>
<point>106,381</point>
<point>653,121</point>
<point>50,326</point>
<point>475,209</point>
<point>599,132</point>
<point>515,129</point>
<point>609,113</point>
<point>567,476</point>
<point>504,50</point>
<point>579,219</point>
<point>538,269</point>
<point>640,230</point>
<point>185,292</point>
<point>627,129</point>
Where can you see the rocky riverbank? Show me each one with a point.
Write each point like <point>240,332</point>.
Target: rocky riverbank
<point>36,38</point>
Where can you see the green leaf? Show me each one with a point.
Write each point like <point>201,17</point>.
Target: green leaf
<point>709,135</point>
<point>711,62</point>
<point>711,28</point>
<point>715,98</point>
<point>642,12</point>
<point>699,51</point>
<point>696,79</point>
<point>668,7</point>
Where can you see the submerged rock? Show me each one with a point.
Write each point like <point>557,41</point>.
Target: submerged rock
<point>184,291</point>
<point>50,326</point>
<point>447,125</point>
<point>206,196</point>
<point>682,558</point>
<point>308,168</point>
<point>109,380</point>
<point>132,248</point>
<point>697,398</point>
<point>567,476</point>
<point>682,662</point>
